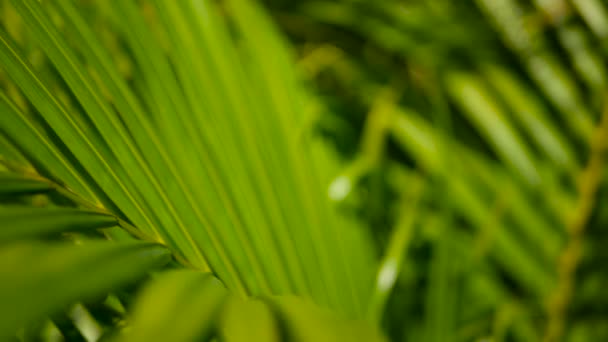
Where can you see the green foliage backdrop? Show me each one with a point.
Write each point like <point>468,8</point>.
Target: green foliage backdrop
<point>303,170</point>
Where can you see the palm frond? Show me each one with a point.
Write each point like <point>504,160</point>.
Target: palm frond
<point>201,150</point>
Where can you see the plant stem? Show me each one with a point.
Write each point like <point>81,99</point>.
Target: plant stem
<point>588,184</point>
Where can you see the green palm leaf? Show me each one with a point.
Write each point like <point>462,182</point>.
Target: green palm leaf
<point>168,170</point>
<point>171,157</point>
<point>69,272</point>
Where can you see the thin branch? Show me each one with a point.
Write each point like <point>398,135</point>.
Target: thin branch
<point>588,184</point>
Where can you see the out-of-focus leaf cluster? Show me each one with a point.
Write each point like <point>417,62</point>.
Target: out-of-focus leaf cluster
<point>495,107</point>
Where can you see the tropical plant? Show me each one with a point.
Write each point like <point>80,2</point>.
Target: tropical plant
<point>166,123</point>
<point>424,171</point>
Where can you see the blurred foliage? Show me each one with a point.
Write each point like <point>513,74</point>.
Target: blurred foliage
<point>303,170</point>
<point>496,108</point>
